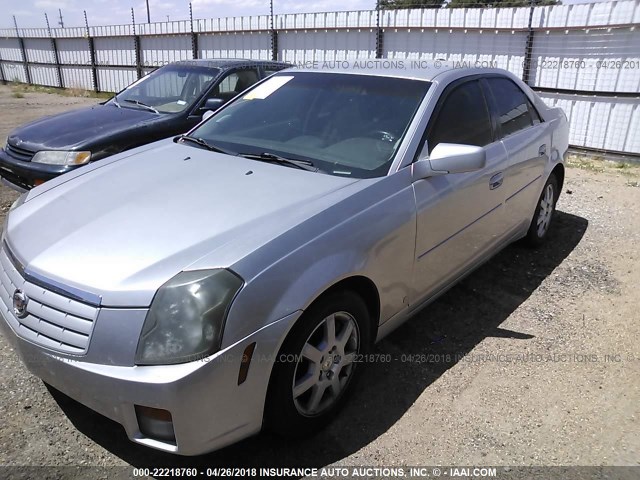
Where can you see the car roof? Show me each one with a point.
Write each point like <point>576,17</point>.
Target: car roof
<point>427,70</point>
<point>228,62</point>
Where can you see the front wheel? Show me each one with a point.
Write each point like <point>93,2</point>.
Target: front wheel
<point>543,215</point>
<point>317,364</point>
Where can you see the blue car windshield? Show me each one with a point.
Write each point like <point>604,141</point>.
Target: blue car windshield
<point>169,89</point>
<point>345,124</point>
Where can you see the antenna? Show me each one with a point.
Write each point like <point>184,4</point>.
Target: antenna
<point>61,21</point>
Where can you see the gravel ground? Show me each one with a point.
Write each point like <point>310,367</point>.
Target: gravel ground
<point>532,360</point>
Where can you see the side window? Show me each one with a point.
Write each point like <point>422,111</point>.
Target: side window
<point>234,83</point>
<point>463,118</point>
<point>515,111</point>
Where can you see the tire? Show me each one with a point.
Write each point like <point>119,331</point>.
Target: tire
<point>311,376</point>
<point>543,215</point>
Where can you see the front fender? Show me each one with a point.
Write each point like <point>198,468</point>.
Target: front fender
<point>260,301</point>
<point>319,277</point>
<point>372,239</point>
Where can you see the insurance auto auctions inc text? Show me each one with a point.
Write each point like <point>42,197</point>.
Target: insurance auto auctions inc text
<point>380,472</point>
<point>391,64</point>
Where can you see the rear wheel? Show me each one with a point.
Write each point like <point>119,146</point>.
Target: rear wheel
<point>317,364</point>
<point>543,215</point>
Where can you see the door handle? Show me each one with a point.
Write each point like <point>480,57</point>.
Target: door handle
<point>496,181</point>
<point>542,150</point>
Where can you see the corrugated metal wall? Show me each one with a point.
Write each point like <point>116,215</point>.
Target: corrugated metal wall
<point>582,57</point>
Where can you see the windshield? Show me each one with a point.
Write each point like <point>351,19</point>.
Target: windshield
<point>170,89</point>
<point>348,125</point>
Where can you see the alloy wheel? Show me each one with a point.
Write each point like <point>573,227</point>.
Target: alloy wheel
<point>325,364</point>
<point>546,210</point>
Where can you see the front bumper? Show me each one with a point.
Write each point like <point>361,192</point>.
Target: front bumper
<point>208,408</point>
<point>23,175</point>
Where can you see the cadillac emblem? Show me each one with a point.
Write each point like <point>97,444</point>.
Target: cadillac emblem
<point>20,301</point>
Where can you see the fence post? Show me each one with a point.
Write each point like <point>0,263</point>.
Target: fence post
<point>25,61</point>
<point>54,49</point>
<point>528,49</point>
<point>379,32</point>
<point>92,55</point>
<point>136,43</point>
<point>273,33</point>
<point>2,79</point>
<point>194,35</point>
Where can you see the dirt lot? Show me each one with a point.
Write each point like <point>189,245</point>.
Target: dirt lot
<point>532,360</point>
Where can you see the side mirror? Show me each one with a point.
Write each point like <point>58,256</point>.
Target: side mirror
<point>212,104</point>
<point>450,158</point>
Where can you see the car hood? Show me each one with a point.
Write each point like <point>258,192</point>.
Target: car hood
<point>79,128</point>
<point>125,227</point>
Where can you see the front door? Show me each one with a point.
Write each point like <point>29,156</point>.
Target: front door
<point>460,217</point>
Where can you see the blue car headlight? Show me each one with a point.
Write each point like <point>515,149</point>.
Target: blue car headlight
<point>186,318</point>
<point>55,157</point>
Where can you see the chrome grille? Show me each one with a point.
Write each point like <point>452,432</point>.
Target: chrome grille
<point>19,153</point>
<point>53,320</point>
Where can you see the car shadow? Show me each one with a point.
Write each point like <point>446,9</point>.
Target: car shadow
<point>447,330</point>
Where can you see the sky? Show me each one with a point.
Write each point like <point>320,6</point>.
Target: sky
<point>30,13</point>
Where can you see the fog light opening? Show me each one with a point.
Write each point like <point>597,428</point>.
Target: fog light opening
<point>245,363</point>
<point>155,423</point>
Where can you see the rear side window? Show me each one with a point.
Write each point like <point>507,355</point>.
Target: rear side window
<point>514,109</point>
<point>463,118</point>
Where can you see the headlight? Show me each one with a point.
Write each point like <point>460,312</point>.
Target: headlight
<point>54,157</point>
<point>186,317</point>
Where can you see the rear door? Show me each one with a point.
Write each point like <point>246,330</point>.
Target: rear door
<point>459,216</point>
<point>527,140</point>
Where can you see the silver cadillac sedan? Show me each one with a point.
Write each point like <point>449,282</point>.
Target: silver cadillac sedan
<point>200,288</point>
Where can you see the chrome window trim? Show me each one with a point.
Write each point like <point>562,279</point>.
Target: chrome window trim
<point>411,142</point>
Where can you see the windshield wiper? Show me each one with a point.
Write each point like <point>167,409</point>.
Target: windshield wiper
<point>115,101</point>
<point>203,143</point>
<point>139,103</point>
<point>273,158</point>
